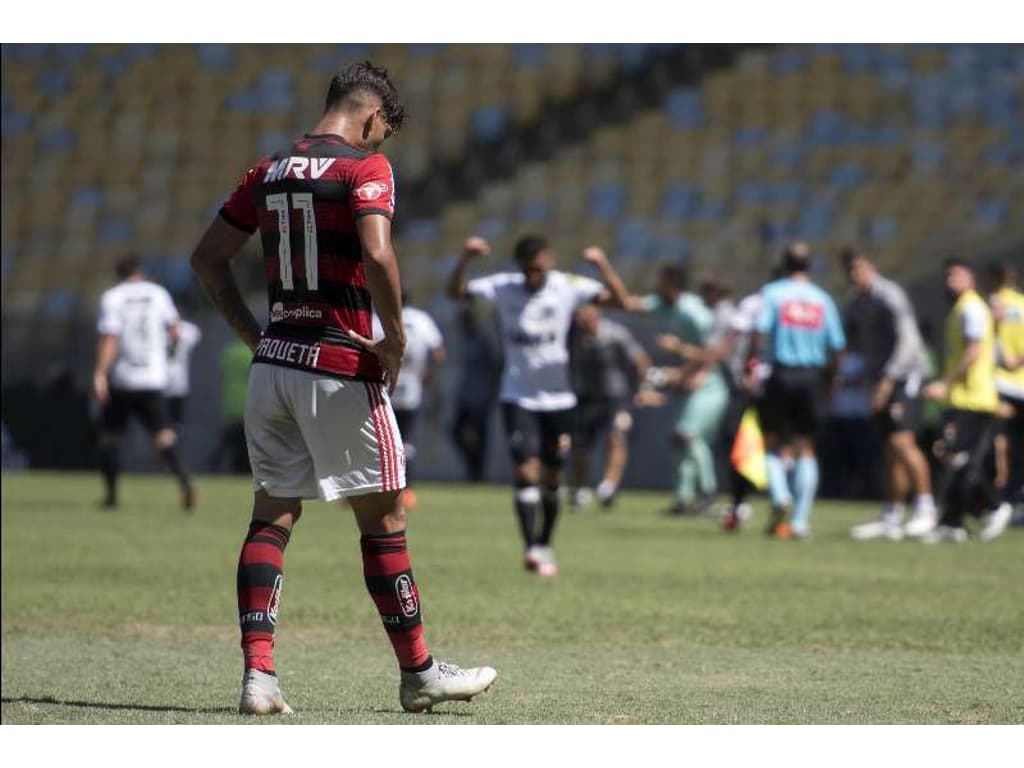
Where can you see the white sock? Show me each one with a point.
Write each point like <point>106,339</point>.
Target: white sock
<point>924,504</point>
<point>605,490</point>
<point>893,513</point>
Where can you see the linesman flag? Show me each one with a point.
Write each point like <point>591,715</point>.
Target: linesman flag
<point>748,451</point>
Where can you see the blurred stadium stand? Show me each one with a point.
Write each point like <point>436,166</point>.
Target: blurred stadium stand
<point>710,154</point>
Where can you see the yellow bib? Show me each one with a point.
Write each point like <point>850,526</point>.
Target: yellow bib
<point>975,391</point>
<point>1010,338</point>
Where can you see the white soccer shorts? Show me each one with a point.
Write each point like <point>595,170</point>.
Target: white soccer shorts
<point>312,436</point>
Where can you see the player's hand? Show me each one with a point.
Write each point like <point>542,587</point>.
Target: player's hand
<point>880,397</point>
<point>475,246</point>
<point>668,343</point>
<point>936,390</point>
<point>649,398</point>
<point>696,381</point>
<point>389,352</point>
<point>101,388</point>
<point>594,254</point>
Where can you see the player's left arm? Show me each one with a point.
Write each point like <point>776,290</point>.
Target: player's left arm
<point>211,261</point>
<point>615,293</point>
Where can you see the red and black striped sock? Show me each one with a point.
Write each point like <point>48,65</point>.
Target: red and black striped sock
<point>259,584</point>
<point>390,583</point>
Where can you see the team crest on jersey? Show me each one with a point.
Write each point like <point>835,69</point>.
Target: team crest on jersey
<point>406,596</point>
<point>372,190</point>
<point>275,599</point>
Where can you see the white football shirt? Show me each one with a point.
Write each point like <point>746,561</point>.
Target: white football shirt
<point>534,330</point>
<point>139,313</point>
<point>177,366</point>
<point>422,336</point>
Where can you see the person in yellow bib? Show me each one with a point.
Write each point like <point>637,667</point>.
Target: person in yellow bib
<point>968,388</point>
<point>1007,302</point>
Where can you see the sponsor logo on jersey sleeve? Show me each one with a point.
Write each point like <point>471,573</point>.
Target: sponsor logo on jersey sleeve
<point>372,190</point>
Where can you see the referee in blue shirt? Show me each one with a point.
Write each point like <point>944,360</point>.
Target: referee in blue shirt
<point>800,334</point>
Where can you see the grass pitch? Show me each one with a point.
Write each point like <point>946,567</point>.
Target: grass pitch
<point>129,616</point>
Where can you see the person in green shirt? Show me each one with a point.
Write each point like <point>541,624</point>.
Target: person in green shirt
<point>705,392</point>
<point>234,368</point>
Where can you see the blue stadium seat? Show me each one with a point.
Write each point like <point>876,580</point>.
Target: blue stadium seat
<point>991,213</point>
<point>422,231</point>
<point>635,237</point>
<point>492,228</point>
<point>115,229</point>
<point>927,157</point>
<point>59,302</point>
<point>54,82</point>
<point>528,55</point>
<point>535,211</point>
<point>684,109</point>
<point>216,57</point>
<point>680,200</point>
<point>489,123</point>
<point>57,140</point>
<point>606,199</point>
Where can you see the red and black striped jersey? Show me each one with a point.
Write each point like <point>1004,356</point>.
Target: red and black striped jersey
<point>305,201</point>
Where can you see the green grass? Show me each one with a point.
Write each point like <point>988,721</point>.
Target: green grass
<point>129,616</point>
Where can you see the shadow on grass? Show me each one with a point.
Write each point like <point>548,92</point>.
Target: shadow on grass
<point>195,710</point>
<point>109,705</point>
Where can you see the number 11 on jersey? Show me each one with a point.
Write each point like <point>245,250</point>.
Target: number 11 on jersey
<point>301,201</point>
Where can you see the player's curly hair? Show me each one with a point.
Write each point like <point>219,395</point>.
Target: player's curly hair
<point>364,76</point>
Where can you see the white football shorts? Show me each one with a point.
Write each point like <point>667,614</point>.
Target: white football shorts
<point>312,436</point>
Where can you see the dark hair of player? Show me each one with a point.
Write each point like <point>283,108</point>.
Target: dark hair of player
<point>360,78</point>
<point>850,254</point>
<point>956,263</point>
<point>529,246</point>
<point>1002,274</point>
<point>128,265</point>
<point>796,259</point>
<point>675,276</point>
<point>714,285</point>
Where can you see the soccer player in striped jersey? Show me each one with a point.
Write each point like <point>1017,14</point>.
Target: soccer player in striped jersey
<point>319,423</point>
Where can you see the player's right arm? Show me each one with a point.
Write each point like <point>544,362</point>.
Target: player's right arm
<point>106,353</point>
<point>473,247</point>
<point>618,295</point>
<point>211,261</point>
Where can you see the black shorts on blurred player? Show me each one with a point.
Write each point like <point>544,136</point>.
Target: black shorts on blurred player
<point>902,413</point>
<point>795,401</point>
<point>147,406</point>
<point>176,410</point>
<point>407,423</point>
<point>546,435</point>
<point>595,418</point>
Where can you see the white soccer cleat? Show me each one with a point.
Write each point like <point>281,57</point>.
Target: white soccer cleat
<point>945,533</point>
<point>546,565</point>
<point>419,691</point>
<point>532,557</point>
<point>995,522</point>
<point>923,521</point>
<point>580,499</point>
<point>261,695</point>
<point>877,529</point>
